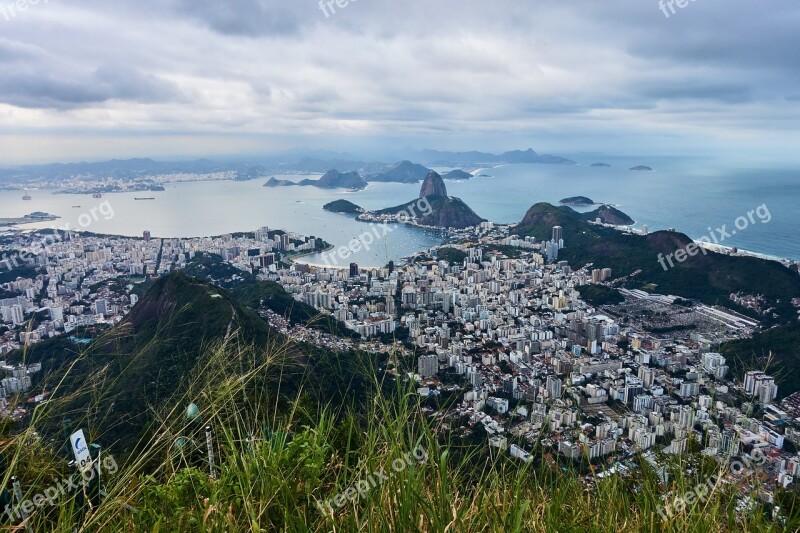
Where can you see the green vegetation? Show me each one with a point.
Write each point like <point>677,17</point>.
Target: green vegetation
<point>343,206</point>
<point>22,271</point>
<point>776,351</point>
<point>257,294</point>
<point>608,215</point>
<point>453,256</point>
<point>581,201</point>
<point>160,348</point>
<point>710,278</point>
<point>273,296</point>
<point>279,458</point>
<point>508,251</point>
<point>600,295</point>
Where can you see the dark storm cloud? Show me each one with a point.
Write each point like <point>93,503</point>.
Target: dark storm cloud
<point>31,89</point>
<point>386,69</point>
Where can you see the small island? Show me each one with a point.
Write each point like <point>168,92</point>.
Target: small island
<point>578,201</point>
<point>457,175</point>
<point>343,206</point>
<point>604,165</point>
<point>275,182</point>
<point>333,179</point>
<point>36,216</point>
<point>642,168</point>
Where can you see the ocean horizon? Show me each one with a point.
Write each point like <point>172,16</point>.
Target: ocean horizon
<point>694,197</point>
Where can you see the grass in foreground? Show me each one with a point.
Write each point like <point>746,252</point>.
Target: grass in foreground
<point>278,461</point>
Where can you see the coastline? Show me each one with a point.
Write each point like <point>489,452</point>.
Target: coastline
<point>711,247</point>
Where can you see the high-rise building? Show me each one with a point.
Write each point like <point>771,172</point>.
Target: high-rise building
<point>146,235</point>
<point>730,443</point>
<point>558,234</point>
<point>266,260</point>
<point>553,387</point>
<point>57,313</point>
<point>101,307</point>
<point>761,386</point>
<point>428,365</point>
<point>353,270</point>
<point>714,364</point>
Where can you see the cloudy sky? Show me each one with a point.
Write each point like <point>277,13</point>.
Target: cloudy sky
<point>96,79</point>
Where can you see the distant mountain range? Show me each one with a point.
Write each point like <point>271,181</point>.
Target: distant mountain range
<point>131,169</point>
<point>428,158</point>
<point>478,159</point>
<point>405,171</point>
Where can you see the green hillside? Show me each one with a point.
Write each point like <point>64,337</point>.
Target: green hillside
<point>710,278</point>
<point>775,351</point>
<point>272,296</point>
<point>378,464</point>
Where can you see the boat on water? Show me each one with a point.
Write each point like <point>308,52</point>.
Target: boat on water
<point>27,197</point>
<point>75,206</point>
<point>148,198</point>
<point>97,195</point>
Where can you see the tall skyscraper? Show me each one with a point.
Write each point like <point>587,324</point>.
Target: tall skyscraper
<point>553,387</point>
<point>353,270</point>
<point>558,234</point>
<point>146,235</point>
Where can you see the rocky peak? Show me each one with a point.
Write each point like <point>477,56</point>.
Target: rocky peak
<point>433,186</point>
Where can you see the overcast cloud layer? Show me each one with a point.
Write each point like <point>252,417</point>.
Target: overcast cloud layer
<point>95,79</point>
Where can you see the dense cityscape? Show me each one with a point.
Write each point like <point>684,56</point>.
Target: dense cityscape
<point>492,322</point>
<point>434,267</point>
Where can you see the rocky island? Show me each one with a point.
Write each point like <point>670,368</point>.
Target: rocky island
<point>343,206</point>
<point>642,168</point>
<point>36,216</point>
<point>577,201</point>
<point>333,179</point>
<point>445,211</point>
<point>275,182</point>
<point>458,175</point>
